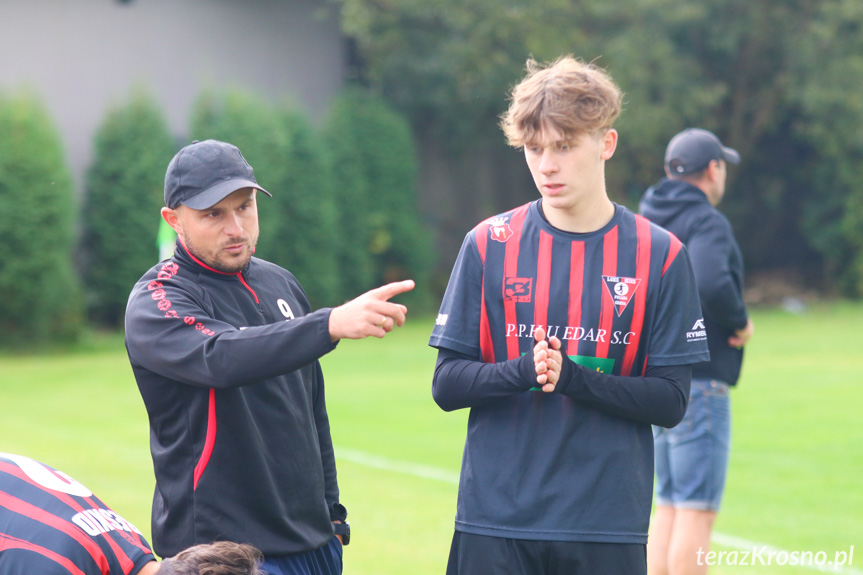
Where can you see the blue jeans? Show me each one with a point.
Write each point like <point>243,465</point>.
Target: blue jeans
<point>691,459</point>
<point>326,560</point>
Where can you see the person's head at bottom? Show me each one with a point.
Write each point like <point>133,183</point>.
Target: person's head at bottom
<point>219,558</point>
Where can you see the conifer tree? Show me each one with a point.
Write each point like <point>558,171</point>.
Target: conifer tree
<point>375,162</point>
<point>40,298</point>
<point>124,194</point>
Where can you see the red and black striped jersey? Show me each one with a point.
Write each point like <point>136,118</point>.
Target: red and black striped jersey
<point>52,525</point>
<point>618,297</point>
<point>622,298</point>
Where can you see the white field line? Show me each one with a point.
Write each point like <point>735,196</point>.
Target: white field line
<point>451,477</point>
<point>387,464</point>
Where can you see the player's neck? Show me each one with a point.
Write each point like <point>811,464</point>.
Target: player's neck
<point>584,217</point>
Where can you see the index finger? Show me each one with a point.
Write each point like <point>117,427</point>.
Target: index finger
<point>389,290</point>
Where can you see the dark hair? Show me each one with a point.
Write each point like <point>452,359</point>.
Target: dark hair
<point>219,558</point>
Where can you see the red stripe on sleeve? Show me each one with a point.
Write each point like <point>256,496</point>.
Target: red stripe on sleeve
<point>673,250</point>
<point>543,280</point>
<point>576,289</point>
<point>642,271</point>
<point>510,270</point>
<point>609,268</point>
<point>210,442</point>
<point>7,542</point>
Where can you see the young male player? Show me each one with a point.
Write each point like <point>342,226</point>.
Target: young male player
<point>557,471</point>
<point>51,524</point>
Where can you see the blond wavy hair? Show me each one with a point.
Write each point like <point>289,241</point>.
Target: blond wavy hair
<point>568,95</point>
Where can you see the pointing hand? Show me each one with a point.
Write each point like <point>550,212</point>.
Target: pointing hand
<point>370,314</point>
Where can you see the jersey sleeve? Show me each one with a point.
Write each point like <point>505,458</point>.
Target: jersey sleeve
<point>679,336</point>
<point>188,343</point>
<point>457,324</point>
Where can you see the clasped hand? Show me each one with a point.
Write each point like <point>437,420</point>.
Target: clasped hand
<point>547,360</point>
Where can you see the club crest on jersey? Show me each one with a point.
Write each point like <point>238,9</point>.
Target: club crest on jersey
<point>499,230</point>
<point>517,289</point>
<point>621,291</point>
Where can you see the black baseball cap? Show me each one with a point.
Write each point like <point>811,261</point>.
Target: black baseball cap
<point>204,173</point>
<point>693,149</point>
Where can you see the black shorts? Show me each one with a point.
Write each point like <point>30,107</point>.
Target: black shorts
<point>481,555</point>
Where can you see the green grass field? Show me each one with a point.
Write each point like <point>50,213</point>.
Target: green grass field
<point>795,483</point>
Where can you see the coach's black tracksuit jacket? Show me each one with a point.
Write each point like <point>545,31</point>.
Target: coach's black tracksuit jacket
<point>227,365</point>
<point>683,209</point>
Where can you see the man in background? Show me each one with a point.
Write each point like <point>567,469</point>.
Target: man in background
<point>51,524</point>
<point>692,458</point>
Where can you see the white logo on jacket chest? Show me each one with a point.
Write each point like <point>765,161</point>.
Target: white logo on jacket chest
<point>285,309</point>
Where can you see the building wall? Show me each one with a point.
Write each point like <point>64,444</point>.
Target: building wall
<point>80,56</point>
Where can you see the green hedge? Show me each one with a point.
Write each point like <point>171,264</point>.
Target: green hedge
<point>343,217</point>
<point>374,162</point>
<point>301,216</point>
<point>40,298</point>
<point>124,194</point>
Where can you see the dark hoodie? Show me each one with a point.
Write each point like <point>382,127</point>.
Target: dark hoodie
<point>683,209</point>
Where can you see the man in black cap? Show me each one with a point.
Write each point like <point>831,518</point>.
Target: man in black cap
<point>692,458</point>
<point>225,350</point>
